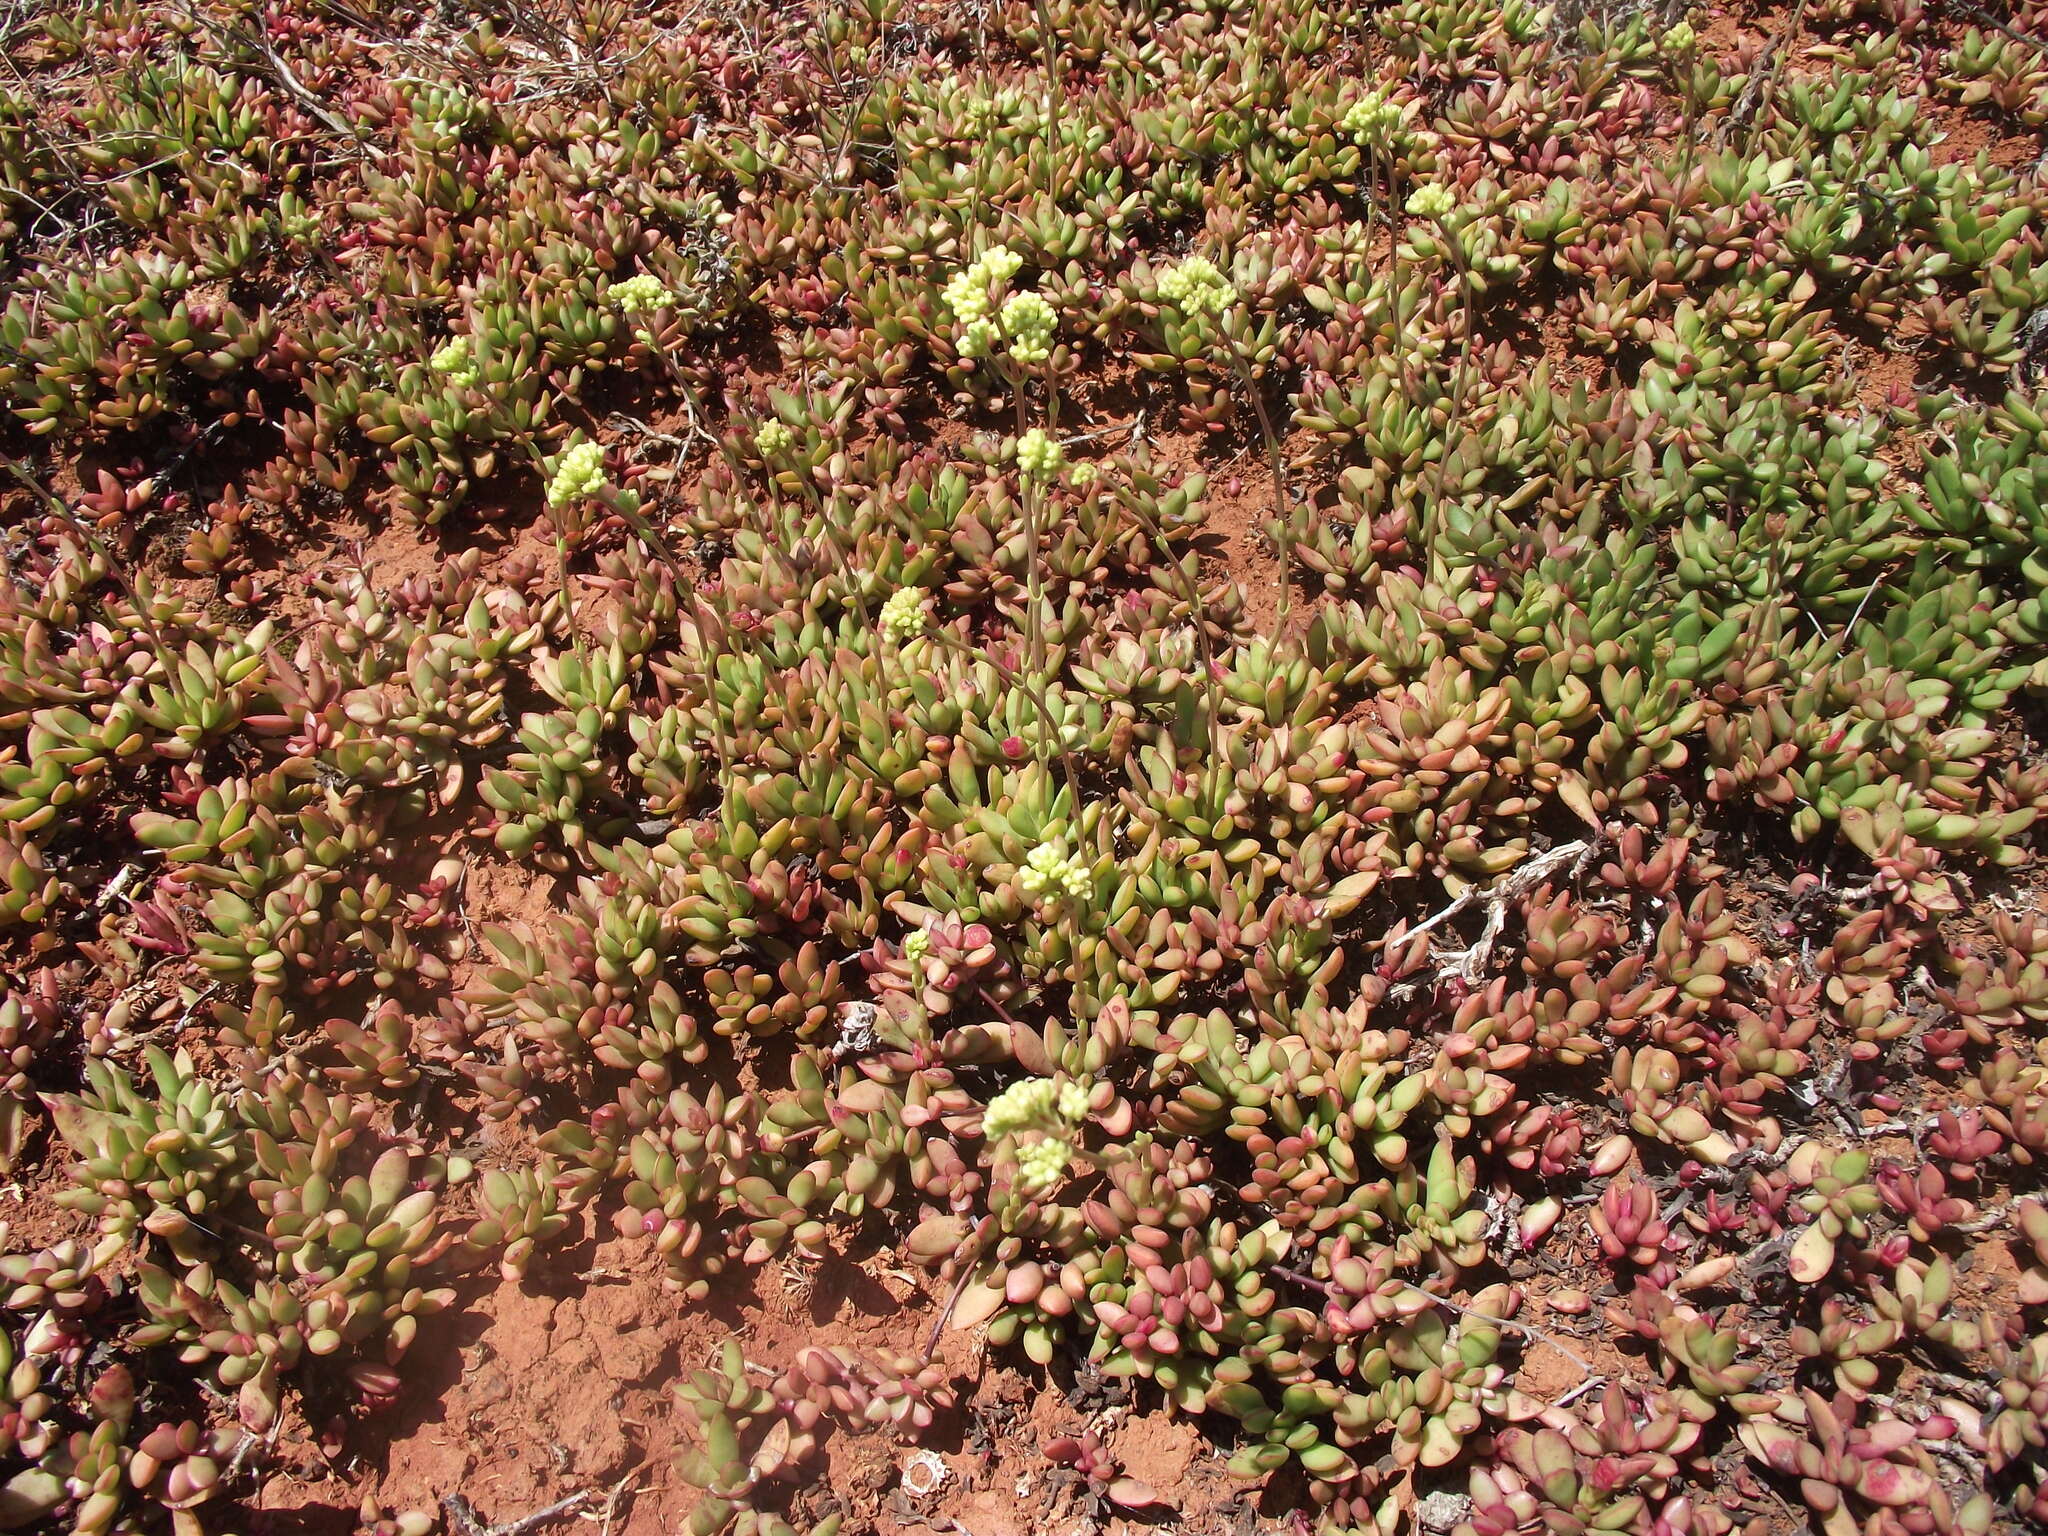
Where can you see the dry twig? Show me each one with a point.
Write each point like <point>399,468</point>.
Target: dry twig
<point>1468,964</point>
<point>463,1519</point>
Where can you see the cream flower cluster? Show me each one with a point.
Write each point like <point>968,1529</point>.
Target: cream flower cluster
<point>1051,872</point>
<point>977,338</point>
<point>640,295</point>
<point>1051,1111</point>
<point>1042,1164</point>
<point>1039,454</point>
<point>578,472</point>
<point>1431,200</point>
<point>1027,319</point>
<point>1035,1104</point>
<point>1372,116</point>
<point>903,615</point>
<point>916,945</point>
<point>1196,287</point>
<point>452,358</point>
<point>966,292</point>
<point>771,438</point>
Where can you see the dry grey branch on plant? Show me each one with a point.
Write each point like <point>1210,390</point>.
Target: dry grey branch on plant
<point>281,71</point>
<point>617,1496</point>
<point>655,435</point>
<point>1590,1384</point>
<point>1528,1330</point>
<point>463,1519</point>
<point>971,1250</point>
<point>1468,964</point>
<point>1748,111</point>
<point>1978,14</point>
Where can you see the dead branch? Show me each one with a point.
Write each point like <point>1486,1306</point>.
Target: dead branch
<point>1468,964</point>
<point>463,1519</point>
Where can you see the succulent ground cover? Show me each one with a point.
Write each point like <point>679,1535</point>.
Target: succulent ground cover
<point>1325,715</point>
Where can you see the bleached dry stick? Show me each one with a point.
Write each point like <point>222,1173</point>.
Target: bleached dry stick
<point>1467,964</point>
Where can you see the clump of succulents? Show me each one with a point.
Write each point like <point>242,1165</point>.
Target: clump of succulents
<point>1567,854</point>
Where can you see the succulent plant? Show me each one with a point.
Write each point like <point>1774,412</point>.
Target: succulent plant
<point>159,1165</point>
<point>1086,1454</point>
<point>1842,1465</point>
<point>1838,1200</point>
<point>750,1434</point>
<point>26,1023</point>
<point>803,549</point>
